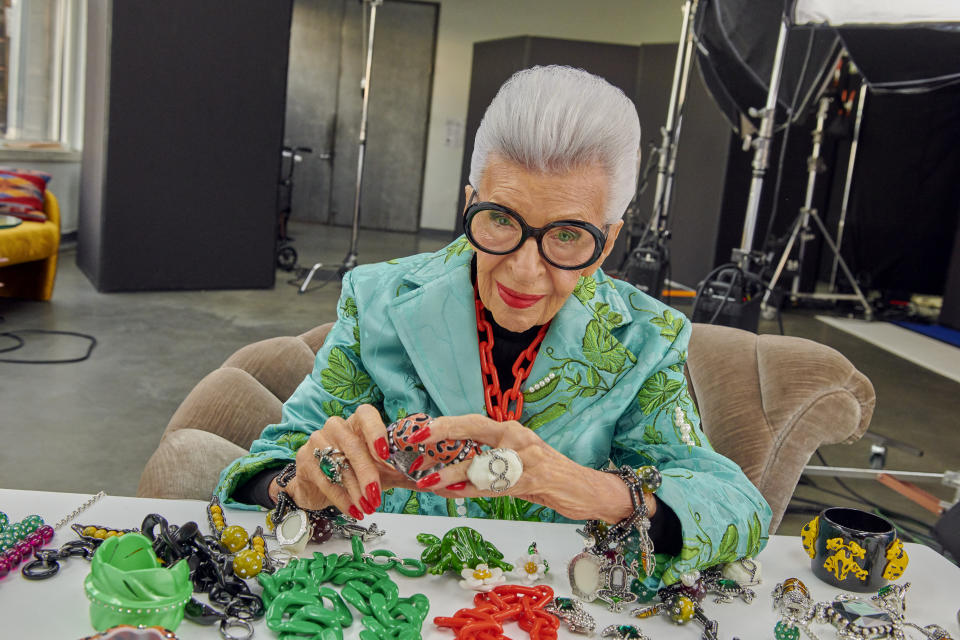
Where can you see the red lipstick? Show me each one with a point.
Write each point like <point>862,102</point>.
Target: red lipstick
<point>516,299</point>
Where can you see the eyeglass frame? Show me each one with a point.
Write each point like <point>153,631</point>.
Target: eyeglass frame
<point>527,231</point>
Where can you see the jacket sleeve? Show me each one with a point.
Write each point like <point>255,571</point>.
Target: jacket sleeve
<point>338,384</point>
<point>722,514</point>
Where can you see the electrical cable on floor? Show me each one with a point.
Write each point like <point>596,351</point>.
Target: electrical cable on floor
<point>866,501</point>
<point>821,506</point>
<point>896,518</point>
<point>20,343</point>
<point>844,485</point>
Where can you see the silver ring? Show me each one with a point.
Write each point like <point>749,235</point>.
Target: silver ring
<point>332,463</point>
<point>495,470</point>
<point>280,557</point>
<point>229,622</point>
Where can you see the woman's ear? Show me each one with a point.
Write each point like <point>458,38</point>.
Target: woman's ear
<point>607,248</point>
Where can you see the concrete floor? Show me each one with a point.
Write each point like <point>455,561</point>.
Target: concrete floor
<point>92,425</point>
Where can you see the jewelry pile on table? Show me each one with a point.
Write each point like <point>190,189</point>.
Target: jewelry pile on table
<point>879,617</point>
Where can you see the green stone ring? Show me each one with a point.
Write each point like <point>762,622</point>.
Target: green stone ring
<point>332,463</point>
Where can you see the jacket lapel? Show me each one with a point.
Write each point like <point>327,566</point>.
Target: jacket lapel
<point>435,319</point>
<point>436,322</point>
<point>580,359</point>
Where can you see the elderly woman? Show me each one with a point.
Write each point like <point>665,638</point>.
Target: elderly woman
<point>513,337</point>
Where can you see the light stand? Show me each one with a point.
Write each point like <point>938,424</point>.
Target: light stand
<point>350,260</point>
<point>745,256</point>
<point>648,261</point>
<point>720,290</point>
<point>862,98</point>
<point>801,228</point>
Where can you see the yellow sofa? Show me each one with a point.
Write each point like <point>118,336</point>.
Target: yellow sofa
<point>31,251</point>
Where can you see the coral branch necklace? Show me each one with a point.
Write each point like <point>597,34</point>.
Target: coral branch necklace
<point>498,402</point>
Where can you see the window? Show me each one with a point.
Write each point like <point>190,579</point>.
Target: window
<point>41,73</point>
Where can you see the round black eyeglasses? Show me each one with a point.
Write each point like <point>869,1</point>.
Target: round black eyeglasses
<point>565,244</point>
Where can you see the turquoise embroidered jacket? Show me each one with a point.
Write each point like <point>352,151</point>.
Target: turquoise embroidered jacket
<point>406,341</point>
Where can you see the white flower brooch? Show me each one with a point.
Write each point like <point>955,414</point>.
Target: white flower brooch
<point>482,578</point>
<point>531,567</point>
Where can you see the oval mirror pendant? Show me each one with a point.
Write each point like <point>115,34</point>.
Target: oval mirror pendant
<point>585,573</point>
<point>293,533</point>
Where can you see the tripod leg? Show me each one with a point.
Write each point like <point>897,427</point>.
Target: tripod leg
<point>306,281</point>
<point>867,309</point>
<point>783,262</point>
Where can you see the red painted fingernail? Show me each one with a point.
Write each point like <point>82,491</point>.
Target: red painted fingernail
<point>420,435</point>
<point>429,481</point>
<point>373,494</point>
<point>456,486</point>
<point>356,513</point>
<point>365,505</point>
<point>381,446</point>
<point>416,464</point>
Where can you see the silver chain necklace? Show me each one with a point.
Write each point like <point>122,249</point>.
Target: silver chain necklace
<point>73,514</point>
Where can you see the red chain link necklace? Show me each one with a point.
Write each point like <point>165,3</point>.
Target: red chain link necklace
<point>498,402</point>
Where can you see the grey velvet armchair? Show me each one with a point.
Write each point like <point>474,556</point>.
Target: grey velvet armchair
<point>767,402</point>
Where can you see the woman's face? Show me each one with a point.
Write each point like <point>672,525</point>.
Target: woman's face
<point>521,289</point>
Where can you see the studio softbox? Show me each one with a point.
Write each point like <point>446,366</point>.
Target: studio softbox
<point>735,50</point>
<point>896,44</point>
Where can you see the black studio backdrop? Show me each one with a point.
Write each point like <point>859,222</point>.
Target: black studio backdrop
<point>905,196</point>
<point>905,201</point>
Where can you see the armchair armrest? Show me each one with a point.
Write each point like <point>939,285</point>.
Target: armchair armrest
<point>768,402</point>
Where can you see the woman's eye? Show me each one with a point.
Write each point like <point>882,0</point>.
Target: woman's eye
<point>503,221</point>
<point>566,236</point>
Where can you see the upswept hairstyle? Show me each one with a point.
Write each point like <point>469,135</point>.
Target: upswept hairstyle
<point>554,119</point>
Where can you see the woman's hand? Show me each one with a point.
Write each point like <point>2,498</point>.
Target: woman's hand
<point>363,440</point>
<point>549,478</point>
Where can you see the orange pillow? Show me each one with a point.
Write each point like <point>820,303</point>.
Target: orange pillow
<point>21,193</point>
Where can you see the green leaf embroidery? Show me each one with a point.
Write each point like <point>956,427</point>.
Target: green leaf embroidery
<point>656,391</point>
<point>688,552</point>
<point>728,546</point>
<point>293,440</point>
<point>349,308</point>
<point>652,436</point>
<point>549,414</point>
<point>401,413</point>
<point>614,319</point>
<point>585,290</point>
<point>755,536</point>
<point>412,506</point>
<point>341,378</point>
<point>670,326</point>
<point>355,347</point>
<point>456,248</point>
<point>542,392</point>
<point>484,505</point>
<point>332,408</point>
<point>602,349</point>
<point>676,368</point>
<point>593,377</point>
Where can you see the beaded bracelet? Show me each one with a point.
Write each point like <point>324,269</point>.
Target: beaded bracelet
<point>250,553</point>
<point>19,540</point>
<point>295,597</point>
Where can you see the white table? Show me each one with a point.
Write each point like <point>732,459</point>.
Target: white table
<point>58,608</point>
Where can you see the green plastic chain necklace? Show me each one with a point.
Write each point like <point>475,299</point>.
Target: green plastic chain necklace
<point>295,596</point>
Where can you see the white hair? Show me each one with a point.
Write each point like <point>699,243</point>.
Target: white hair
<point>555,119</point>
